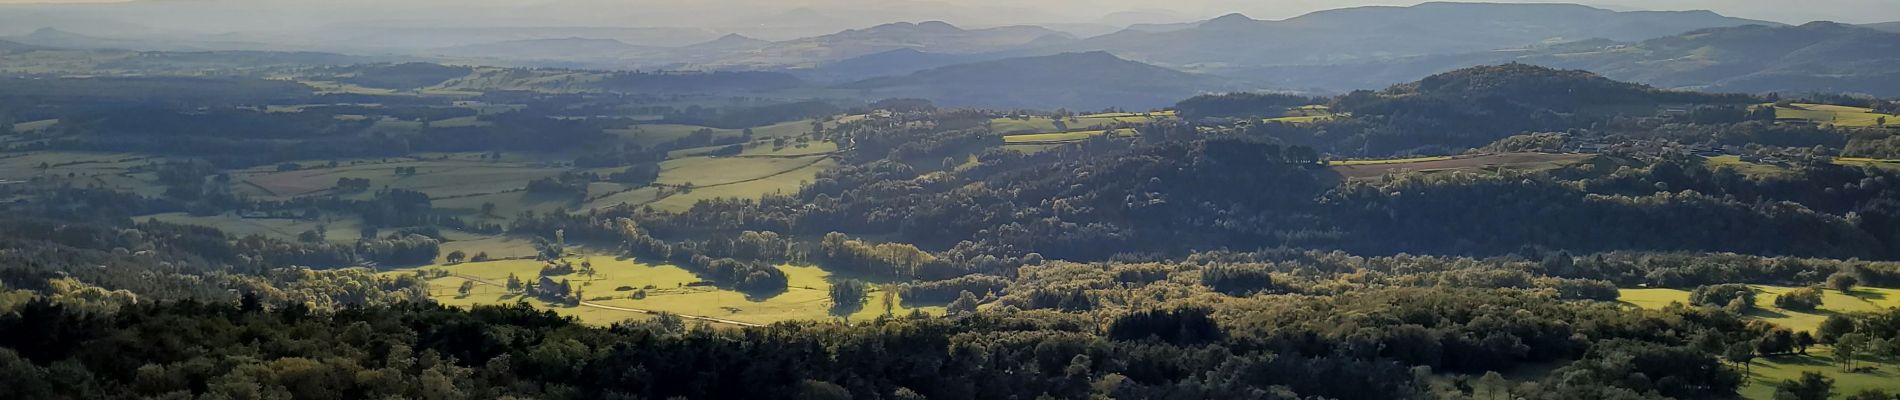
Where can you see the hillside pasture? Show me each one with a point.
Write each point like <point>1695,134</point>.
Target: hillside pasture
<point>736,177</point>
<point>1018,125</point>
<point>337,230</point>
<point>1063,137</point>
<point>34,126</point>
<point>666,288</point>
<point>1518,161</point>
<point>1770,371</point>
<point>1863,299</point>
<point>1867,162</point>
<point>437,178</point>
<point>1842,116</point>
<point>1755,169</point>
<point>119,171</point>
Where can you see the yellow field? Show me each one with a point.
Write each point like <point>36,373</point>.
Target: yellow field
<point>1843,116</point>
<point>30,126</point>
<point>666,289</point>
<point>1867,162</point>
<point>1863,299</point>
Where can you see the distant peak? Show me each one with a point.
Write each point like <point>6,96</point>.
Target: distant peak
<point>937,26</point>
<point>1234,19</point>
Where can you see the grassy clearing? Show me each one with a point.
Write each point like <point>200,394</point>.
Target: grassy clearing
<point>1842,116</point>
<point>118,171</point>
<point>34,126</point>
<point>1744,167</point>
<point>1861,300</point>
<point>666,288</point>
<point>338,230</point>
<point>437,178</point>
<point>1306,115</point>
<point>739,180</point>
<point>1008,126</point>
<point>1063,137</point>
<point>495,246</point>
<point>1770,371</point>
<point>1867,162</point>
<point>1767,372</point>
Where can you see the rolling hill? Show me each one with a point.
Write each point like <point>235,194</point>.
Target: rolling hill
<point>546,49</point>
<point>1821,56</point>
<point>1374,33</point>
<point>932,36</point>
<point>1084,81</point>
<point>890,63</point>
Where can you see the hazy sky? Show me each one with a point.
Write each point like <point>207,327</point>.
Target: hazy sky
<point>1787,11</point>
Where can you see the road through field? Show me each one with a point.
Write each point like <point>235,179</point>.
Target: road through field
<point>477,279</point>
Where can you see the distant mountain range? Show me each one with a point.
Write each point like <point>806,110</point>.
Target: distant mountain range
<point>1885,26</point>
<point>930,36</point>
<point>1152,59</point>
<point>1816,57</point>
<point>1372,33</point>
<point>1082,81</point>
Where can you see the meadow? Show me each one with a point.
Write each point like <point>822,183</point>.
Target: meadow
<point>1842,116</point>
<point>119,171</point>
<point>439,177</point>
<point>660,288</point>
<point>1062,137</point>
<point>1862,299</point>
<point>337,230</point>
<point>1306,115</point>
<point>1769,371</point>
<point>1020,125</point>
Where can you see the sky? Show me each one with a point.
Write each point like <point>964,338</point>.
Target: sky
<point>725,13</point>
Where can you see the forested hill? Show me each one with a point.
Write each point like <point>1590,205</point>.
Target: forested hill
<point>1547,88</point>
<point>1815,57</point>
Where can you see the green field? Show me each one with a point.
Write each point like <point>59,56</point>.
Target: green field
<point>1769,371</point>
<point>1061,137</point>
<point>1843,116</point>
<point>1863,299</point>
<point>120,171</point>
<point>436,177</point>
<point>1008,126</point>
<point>1744,167</point>
<point>667,289</point>
<point>736,177</point>
<point>1305,115</point>
<point>340,230</point>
